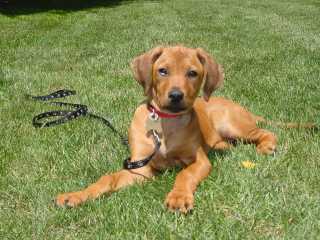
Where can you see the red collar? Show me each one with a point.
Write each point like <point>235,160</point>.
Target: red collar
<point>152,109</point>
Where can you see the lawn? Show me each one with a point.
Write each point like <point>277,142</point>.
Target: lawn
<point>271,54</point>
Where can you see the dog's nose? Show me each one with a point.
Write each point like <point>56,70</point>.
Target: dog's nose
<point>175,96</point>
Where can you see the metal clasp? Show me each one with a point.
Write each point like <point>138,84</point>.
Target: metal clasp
<point>156,136</point>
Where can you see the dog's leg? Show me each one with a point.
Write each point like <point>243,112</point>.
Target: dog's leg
<point>140,148</point>
<point>181,196</point>
<point>265,141</point>
<point>247,131</point>
<point>233,122</point>
<point>106,184</point>
<point>222,145</point>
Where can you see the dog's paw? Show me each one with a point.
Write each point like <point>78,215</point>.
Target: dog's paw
<point>72,199</point>
<point>179,200</point>
<point>267,148</point>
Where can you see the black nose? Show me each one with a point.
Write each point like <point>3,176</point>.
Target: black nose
<point>175,96</point>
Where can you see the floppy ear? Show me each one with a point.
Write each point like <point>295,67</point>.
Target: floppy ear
<point>213,73</point>
<point>142,68</point>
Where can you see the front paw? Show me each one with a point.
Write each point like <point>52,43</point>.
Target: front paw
<point>179,200</point>
<point>71,199</point>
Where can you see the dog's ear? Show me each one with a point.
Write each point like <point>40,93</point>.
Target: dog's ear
<point>213,73</point>
<point>142,68</point>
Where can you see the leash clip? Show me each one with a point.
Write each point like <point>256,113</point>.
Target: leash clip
<point>156,136</point>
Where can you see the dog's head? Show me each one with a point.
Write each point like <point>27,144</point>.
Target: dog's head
<point>172,76</point>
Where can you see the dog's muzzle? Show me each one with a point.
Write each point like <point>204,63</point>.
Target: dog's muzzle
<point>175,103</point>
<point>175,96</point>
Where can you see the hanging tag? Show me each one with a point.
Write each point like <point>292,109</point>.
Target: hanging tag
<point>153,122</point>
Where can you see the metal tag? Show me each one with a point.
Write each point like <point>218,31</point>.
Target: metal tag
<point>153,122</point>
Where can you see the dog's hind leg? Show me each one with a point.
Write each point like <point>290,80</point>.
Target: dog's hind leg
<point>265,140</point>
<point>239,124</point>
<point>222,145</point>
<point>247,131</point>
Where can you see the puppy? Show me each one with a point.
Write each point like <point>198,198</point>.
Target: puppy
<point>188,126</point>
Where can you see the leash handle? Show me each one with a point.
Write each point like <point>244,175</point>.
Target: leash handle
<point>82,110</point>
<point>57,94</point>
<point>67,115</point>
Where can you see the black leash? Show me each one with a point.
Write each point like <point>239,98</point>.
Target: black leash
<point>138,164</point>
<point>81,110</point>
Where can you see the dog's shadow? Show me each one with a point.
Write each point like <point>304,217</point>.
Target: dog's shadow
<point>217,154</point>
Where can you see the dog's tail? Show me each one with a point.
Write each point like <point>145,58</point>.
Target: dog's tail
<point>307,125</point>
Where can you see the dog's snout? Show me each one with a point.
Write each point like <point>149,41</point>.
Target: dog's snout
<point>175,96</point>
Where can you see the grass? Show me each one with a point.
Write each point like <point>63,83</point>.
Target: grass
<point>271,54</point>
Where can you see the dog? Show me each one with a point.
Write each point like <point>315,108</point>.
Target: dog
<point>189,125</point>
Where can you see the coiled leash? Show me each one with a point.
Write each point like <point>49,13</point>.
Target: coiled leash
<point>81,110</point>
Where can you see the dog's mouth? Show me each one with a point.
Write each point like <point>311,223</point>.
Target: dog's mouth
<point>175,108</point>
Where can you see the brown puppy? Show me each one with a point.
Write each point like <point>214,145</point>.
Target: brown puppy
<point>171,78</point>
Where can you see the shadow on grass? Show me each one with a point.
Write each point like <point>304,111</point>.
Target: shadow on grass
<point>213,154</point>
<point>22,7</point>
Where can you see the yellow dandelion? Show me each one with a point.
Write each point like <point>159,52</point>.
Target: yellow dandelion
<point>248,164</point>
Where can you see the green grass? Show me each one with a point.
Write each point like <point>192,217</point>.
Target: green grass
<point>271,54</point>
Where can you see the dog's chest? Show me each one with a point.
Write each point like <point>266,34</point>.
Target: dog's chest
<point>163,149</point>
<point>176,153</point>
<point>173,135</point>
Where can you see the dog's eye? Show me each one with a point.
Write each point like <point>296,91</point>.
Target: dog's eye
<point>192,74</point>
<point>163,71</point>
